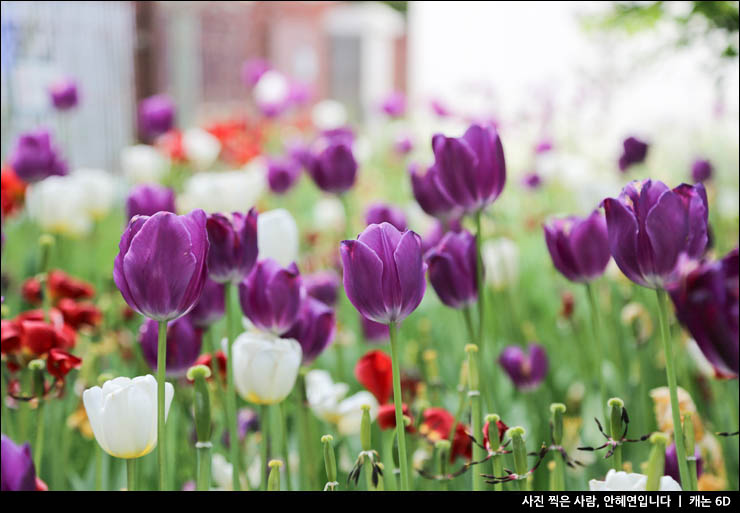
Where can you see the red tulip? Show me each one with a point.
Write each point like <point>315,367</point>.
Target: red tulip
<point>374,372</point>
<point>59,363</point>
<point>387,417</point>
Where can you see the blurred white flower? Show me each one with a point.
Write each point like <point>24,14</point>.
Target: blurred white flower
<point>271,92</point>
<point>58,204</point>
<point>265,366</point>
<point>99,188</point>
<point>277,236</point>
<point>143,164</point>
<point>501,262</point>
<point>624,482</point>
<point>201,148</point>
<point>328,115</point>
<point>328,214</point>
<point>222,473</point>
<point>226,191</point>
<point>123,414</point>
<point>327,401</point>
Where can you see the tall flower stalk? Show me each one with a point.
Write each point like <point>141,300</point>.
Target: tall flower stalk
<point>161,432</point>
<point>233,427</point>
<point>397,403</point>
<point>477,410</point>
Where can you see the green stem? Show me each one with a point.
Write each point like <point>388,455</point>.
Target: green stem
<point>283,424</point>
<point>389,474</point>
<point>397,401</point>
<point>38,450</point>
<point>161,437</point>
<point>233,429</point>
<point>303,442</point>
<point>559,473</point>
<point>599,343</point>
<point>672,387</point>
<point>498,471</point>
<point>131,474</point>
<point>98,468</point>
<point>479,277</point>
<point>461,405</point>
<point>264,423</point>
<point>477,413</point>
<point>203,463</point>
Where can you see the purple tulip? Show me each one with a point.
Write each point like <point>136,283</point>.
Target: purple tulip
<point>543,146</point>
<point>452,269</point>
<point>428,194</point>
<point>247,421</point>
<point>233,242</point>
<point>472,168</point>
<point>701,170</point>
<point>18,472</point>
<point>343,134</point>
<point>184,342</point>
<point>532,180</point>
<point>526,370</point>
<point>299,94</point>
<point>35,157</point>
<point>383,213</point>
<point>394,105</point>
<point>706,300</point>
<point>579,247</point>
<point>650,225</point>
<point>634,152</point>
<point>439,108</point>
<point>403,145</point>
<point>437,231</point>
<point>323,286</point>
<point>314,329</point>
<point>253,69</point>
<point>671,462</point>
<point>335,169</point>
<point>64,94</point>
<point>211,305</point>
<point>148,199</point>
<point>271,296</point>
<point>282,175</point>
<point>161,266</point>
<point>374,332</point>
<point>156,116</point>
<point>384,272</point>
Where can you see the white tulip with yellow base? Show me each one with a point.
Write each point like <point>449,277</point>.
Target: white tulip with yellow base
<point>123,416</point>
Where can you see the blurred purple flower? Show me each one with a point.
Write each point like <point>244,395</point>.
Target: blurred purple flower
<point>701,170</point>
<point>452,269</point>
<point>394,104</point>
<point>253,69</point>
<point>282,174</point>
<point>437,231</point>
<point>579,247</point>
<point>428,194</point>
<point>233,241</point>
<point>471,169</point>
<point>35,157</point>
<point>384,272</point>
<point>403,145</point>
<point>18,471</point>
<point>532,180</point>
<point>314,328</point>
<point>439,108</point>
<point>271,296</point>
<point>650,225</point>
<point>706,301</point>
<point>526,370</point>
<point>634,152</point>
<point>161,266</point>
<point>247,421</point>
<point>671,463</point>
<point>323,286</point>
<point>384,213</point>
<point>156,116</point>
<point>64,94</point>
<point>148,199</point>
<point>183,345</point>
<point>210,307</point>
<point>543,146</point>
<point>335,169</point>
<point>374,332</point>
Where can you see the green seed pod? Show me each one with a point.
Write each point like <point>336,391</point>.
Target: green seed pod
<point>519,449</point>
<point>656,461</point>
<point>37,371</point>
<point>330,462</point>
<point>201,401</point>
<point>615,417</point>
<point>365,432</point>
<point>273,481</point>
<point>557,410</point>
<point>492,420</point>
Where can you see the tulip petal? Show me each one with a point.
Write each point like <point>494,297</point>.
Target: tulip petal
<point>362,267</point>
<point>589,240</point>
<point>623,230</point>
<point>667,228</point>
<point>456,164</point>
<point>491,169</point>
<point>410,270</point>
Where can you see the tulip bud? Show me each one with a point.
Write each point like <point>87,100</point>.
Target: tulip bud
<point>557,410</point>
<point>519,449</point>
<point>656,461</point>
<point>365,433</point>
<point>330,461</point>
<point>201,401</point>
<point>616,406</point>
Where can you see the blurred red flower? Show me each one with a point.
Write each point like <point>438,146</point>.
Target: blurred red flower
<point>387,417</point>
<point>12,191</point>
<point>170,143</point>
<point>436,425</point>
<point>80,314</point>
<point>207,360</point>
<point>61,285</point>
<point>59,363</point>
<point>374,372</point>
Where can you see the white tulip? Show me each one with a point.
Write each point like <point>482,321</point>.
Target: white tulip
<point>222,473</point>
<point>501,262</point>
<point>326,399</point>
<point>226,191</point>
<point>201,148</point>
<point>277,236</point>
<point>272,90</point>
<point>624,482</point>
<point>100,190</point>
<point>328,115</point>
<point>265,366</point>
<point>59,205</point>
<point>123,414</point>
<point>143,164</point>
<point>350,412</point>
<point>328,213</point>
